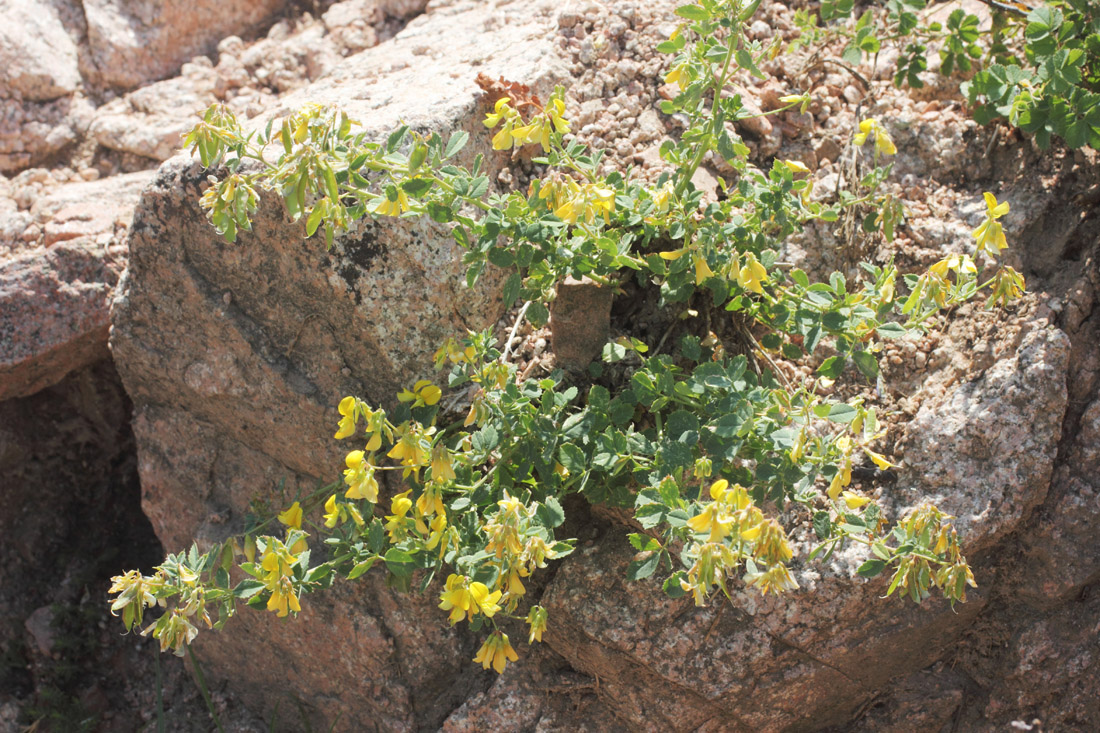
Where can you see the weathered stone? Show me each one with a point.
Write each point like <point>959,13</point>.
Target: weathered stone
<point>580,321</point>
<point>38,58</point>
<point>986,453</point>
<point>54,302</point>
<point>134,43</point>
<point>806,659</point>
<point>150,121</point>
<point>31,132</point>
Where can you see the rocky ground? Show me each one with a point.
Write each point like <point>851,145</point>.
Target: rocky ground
<point>994,413</point>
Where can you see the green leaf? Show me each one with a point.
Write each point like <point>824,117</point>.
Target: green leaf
<point>511,288</point>
<point>643,542</point>
<point>573,458</point>
<point>672,587</point>
<point>486,439</point>
<point>871,568</point>
<point>456,143</point>
<point>831,367</point>
<point>502,257</point>
<point>692,12</point>
<point>362,567</point>
<point>550,513</point>
<point>538,314</point>
<point>891,330</point>
<point>640,569</point>
<point>842,413</point>
<point>823,526</point>
<point>478,187</point>
<point>866,363</point>
<point>399,562</point>
<point>416,186</point>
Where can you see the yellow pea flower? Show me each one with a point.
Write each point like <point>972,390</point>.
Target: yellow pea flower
<point>536,619</point>
<point>771,545</point>
<point>422,393</point>
<point>396,207</point>
<point>795,166</point>
<point>349,414</point>
<point>292,517</point>
<point>853,500</point>
<point>879,459</point>
<point>555,111</point>
<point>702,269</point>
<point>501,110</point>
<point>332,512</point>
<point>283,599</point>
<point>871,127</point>
<point>397,522</point>
<point>503,140</point>
<point>497,651</point>
<point>678,76</point>
<point>463,598</point>
<point>359,476</point>
<point>775,579</point>
<point>990,234</point>
<point>752,274</point>
<point>1007,286</point>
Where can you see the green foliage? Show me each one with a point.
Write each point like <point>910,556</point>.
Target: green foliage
<point>1039,70</point>
<point>712,445</point>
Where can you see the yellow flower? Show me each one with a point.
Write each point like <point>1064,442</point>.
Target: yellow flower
<point>501,110</point>
<point>430,502</point>
<point>503,140</point>
<point>752,274</point>
<point>409,448</point>
<point>795,166</point>
<point>393,207</point>
<point>677,76</point>
<point>174,630</point>
<point>463,598</point>
<point>772,545</point>
<point>871,127</point>
<point>397,523</point>
<point>292,517</point>
<point>278,578</point>
<point>842,478</point>
<point>422,393</point>
<point>332,512</point>
<point>713,520</point>
<point>359,477</point>
<point>854,500</point>
<point>555,112</point>
<point>1007,286</point>
<point>702,269</point>
<point>775,579</point>
<point>496,652</point>
<point>989,234</point>
<point>878,459</point>
<point>349,412</point>
<point>536,619</point>
<point>438,530</point>
<point>134,597</point>
<point>283,599</point>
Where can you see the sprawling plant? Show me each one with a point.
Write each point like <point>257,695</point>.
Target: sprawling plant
<point>1036,65</point>
<point>714,443</point>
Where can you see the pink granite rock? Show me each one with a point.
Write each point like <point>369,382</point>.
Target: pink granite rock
<point>54,300</point>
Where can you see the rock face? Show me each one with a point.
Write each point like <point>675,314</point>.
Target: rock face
<point>38,58</point>
<point>133,43</point>
<point>55,291</point>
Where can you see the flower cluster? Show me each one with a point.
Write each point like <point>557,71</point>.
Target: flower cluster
<point>731,529</point>
<point>515,133</point>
